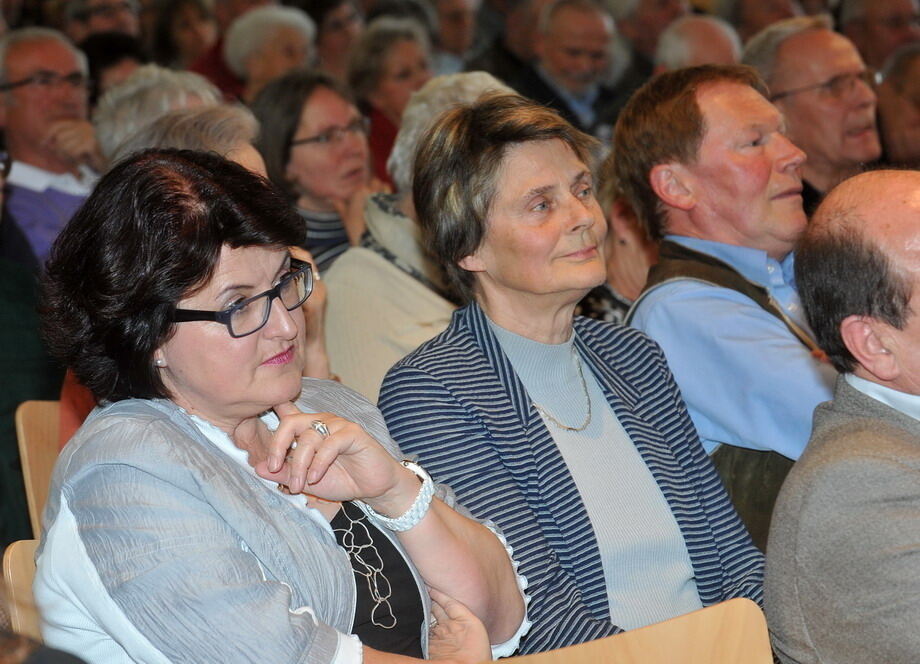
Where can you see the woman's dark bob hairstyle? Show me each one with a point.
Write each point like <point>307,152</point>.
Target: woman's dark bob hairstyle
<point>149,235</point>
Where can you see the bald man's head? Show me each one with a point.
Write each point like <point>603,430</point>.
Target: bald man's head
<point>860,258</point>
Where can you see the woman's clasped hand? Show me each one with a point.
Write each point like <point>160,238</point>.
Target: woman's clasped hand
<point>167,537</point>
<point>344,464</point>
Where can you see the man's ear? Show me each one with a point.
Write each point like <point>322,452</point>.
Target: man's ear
<point>671,184</point>
<point>868,341</point>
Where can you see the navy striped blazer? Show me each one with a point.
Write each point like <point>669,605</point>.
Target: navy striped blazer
<point>457,403</point>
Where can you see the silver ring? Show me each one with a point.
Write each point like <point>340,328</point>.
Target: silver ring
<point>433,623</point>
<point>320,427</point>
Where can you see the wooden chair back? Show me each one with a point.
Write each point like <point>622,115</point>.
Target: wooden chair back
<point>37,434</point>
<point>732,632</point>
<point>18,572</point>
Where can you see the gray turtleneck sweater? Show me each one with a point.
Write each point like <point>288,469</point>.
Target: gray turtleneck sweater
<point>647,568</point>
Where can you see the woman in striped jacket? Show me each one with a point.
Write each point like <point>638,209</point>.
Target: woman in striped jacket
<point>570,434</point>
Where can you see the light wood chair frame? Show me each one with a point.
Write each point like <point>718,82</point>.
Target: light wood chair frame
<point>18,572</point>
<point>37,425</point>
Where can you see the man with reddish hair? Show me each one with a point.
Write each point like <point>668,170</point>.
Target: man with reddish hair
<point>705,162</point>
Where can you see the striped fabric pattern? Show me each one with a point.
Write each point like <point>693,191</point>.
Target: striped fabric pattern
<point>326,238</point>
<point>457,404</point>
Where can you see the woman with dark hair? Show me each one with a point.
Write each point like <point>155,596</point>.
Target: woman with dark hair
<point>314,142</point>
<point>112,58</point>
<point>184,30</point>
<point>217,507</point>
<point>338,25</point>
<point>388,64</point>
<point>569,434</point>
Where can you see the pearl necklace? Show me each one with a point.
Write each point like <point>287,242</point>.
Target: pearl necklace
<point>584,388</point>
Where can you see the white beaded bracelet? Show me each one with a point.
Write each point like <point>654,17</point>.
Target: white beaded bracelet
<point>419,507</point>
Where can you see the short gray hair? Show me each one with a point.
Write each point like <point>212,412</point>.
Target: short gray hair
<point>673,51</point>
<point>218,129</point>
<point>34,34</point>
<point>252,30</point>
<point>143,97</point>
<point>365,67</point>
<point>760,52</point>
<point>436,96</point>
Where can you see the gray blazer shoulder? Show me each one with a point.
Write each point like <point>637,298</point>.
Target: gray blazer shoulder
<point>843,559</point>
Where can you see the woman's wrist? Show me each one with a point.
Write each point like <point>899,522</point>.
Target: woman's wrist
<point>404,506</point>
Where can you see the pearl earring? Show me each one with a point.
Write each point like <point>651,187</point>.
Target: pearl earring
<point>160,362</point>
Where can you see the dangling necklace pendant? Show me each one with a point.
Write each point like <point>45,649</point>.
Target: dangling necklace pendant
<point>584,388</point>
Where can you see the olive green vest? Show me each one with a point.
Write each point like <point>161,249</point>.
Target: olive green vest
<point>751,477</point>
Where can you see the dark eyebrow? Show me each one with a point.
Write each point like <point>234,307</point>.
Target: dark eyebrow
<point>284,267</point>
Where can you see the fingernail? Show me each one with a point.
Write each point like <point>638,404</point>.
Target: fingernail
<point>274,463</point>
<point>311,477</point>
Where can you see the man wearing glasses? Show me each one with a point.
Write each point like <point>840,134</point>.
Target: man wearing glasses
<point>819,82</point>
<point>43,112</point>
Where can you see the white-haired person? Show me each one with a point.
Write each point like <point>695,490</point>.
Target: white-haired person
<point>697,40</point>
<point>144,96</point>
<point>268,42</point>
<point>54,150</point>
<point>388,295</point>
<point>390,62</point>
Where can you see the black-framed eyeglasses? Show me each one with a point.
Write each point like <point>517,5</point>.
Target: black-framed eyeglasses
<point>838,87</point>
<point>335,135</point>
<point>49,79</point>
<point>251,314</point>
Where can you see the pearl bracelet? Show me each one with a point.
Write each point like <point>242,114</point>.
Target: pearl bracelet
<point>419,507</point>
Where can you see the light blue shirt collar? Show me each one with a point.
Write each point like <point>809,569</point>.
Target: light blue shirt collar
<point>909,404</point>
<point>753,264</point>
